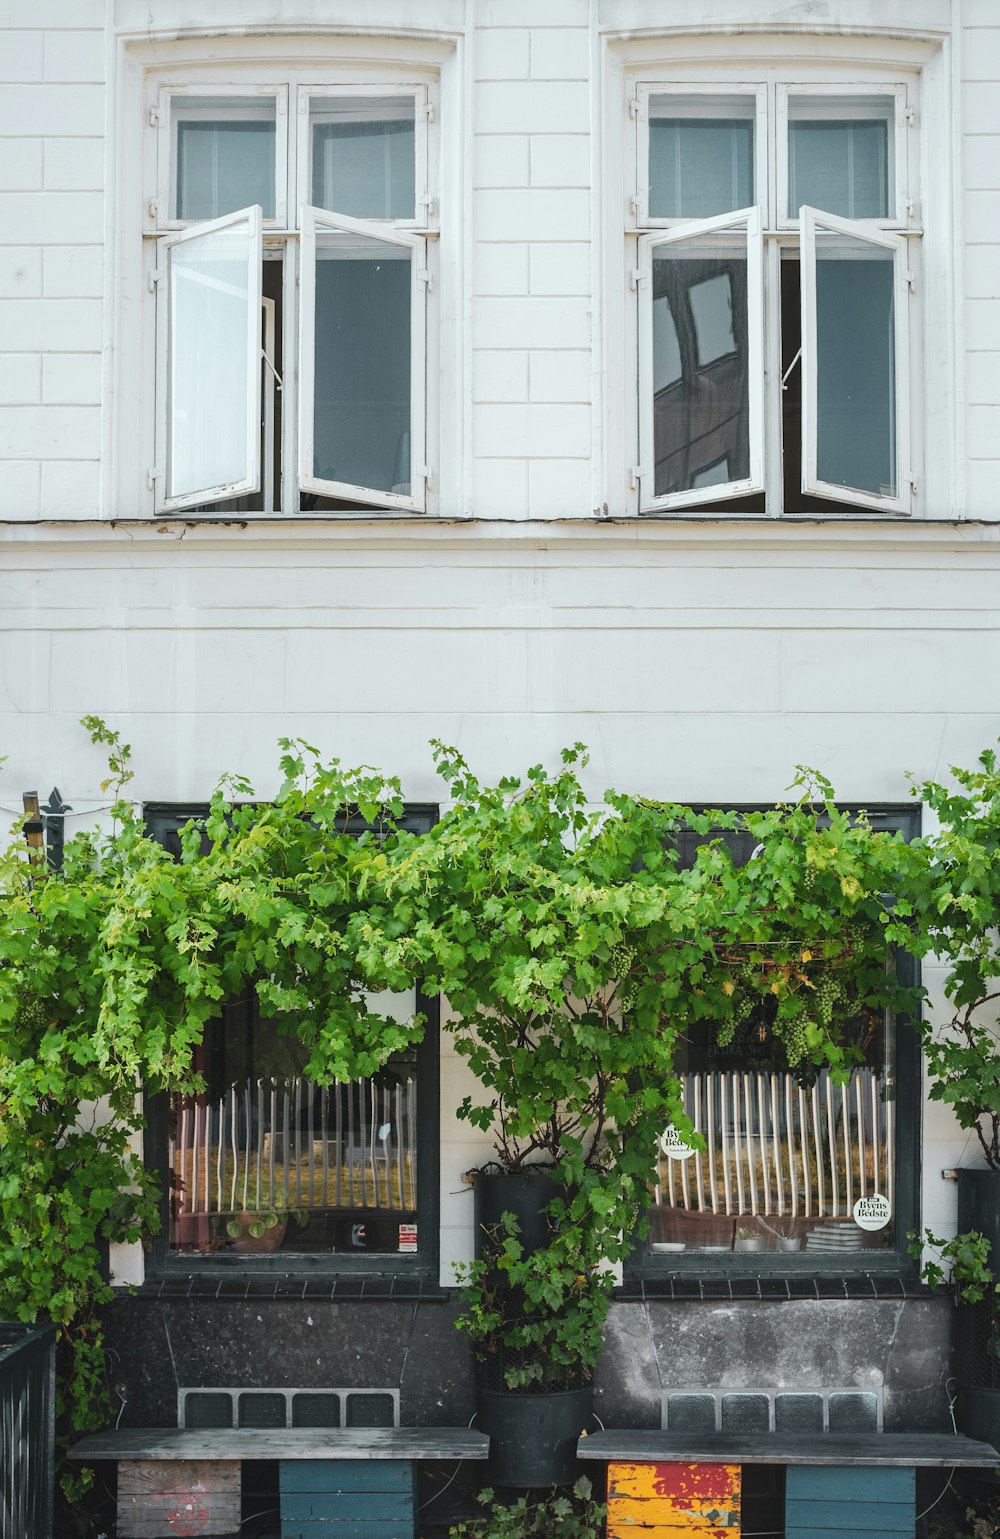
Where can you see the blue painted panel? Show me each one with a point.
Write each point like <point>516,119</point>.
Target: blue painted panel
<point>837,1483</point>
<point>316,1528</point>
<point>849,1517</point>
<point>838,1533</point>
<point>336,1506</point>
<point>346,1475</point>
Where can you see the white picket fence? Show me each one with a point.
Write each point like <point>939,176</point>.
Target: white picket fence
<point>287,1144</point>
<point>773,1148</point>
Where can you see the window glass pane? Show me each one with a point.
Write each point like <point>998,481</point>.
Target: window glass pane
<point>701,411</point>
<point>363,151</point>
<point>839,157</point>
<point>267,1161</point>
<point>225,156</point>
<point>700,156</point>
<point>208,295</point>
<point>855,365</point>
<point>361,410</point>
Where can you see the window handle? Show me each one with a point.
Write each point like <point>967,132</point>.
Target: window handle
<point>784,377</point>
<point>271,367</point>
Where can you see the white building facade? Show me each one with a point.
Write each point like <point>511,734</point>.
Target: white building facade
<point>569,426</point>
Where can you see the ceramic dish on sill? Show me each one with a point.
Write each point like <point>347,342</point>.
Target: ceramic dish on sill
<point>666,1247</point>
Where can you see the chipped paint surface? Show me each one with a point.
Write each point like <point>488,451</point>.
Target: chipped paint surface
<point>658,1501</point>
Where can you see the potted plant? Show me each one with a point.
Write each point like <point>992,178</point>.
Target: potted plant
<point>747,1239</point>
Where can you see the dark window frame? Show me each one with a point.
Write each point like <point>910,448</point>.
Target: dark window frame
<point>162,1264</point>
<point>643,1266</point>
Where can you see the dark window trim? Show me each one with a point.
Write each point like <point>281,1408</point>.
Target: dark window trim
<point>162,1264</point>
<point>644,1268</point>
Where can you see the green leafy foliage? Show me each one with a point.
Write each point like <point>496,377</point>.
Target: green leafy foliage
<point>963,1261</point>
<point>572,1514</point>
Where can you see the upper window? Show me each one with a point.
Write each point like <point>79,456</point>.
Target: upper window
<point>292,280</point>
<point>773,278</point>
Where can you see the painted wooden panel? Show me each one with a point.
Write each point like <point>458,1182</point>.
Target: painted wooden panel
<point>674,1501</point>
<point>347,1499</point>
<point>346,1475</point>
<point>856,1504</point>
<point>178,1499</point>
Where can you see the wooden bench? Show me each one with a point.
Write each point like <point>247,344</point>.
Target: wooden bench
<point>175,1480</point>
<point>838,1485</point>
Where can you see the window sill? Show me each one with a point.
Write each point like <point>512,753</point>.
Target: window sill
<point>261,1288</point>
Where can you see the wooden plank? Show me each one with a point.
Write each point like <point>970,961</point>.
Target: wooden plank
<point>662,1512</point>
<point>835,1533</point>
<point>316,1528</point>
<point>700,1485</point>
<point>874,1450</point>
<point>850,1516</point>
<point>809,1483</point>
<point>626,1528</point>
<point>168,1500</point>
<point>140,1478</point>
<point>338,1475</point>
<point>343,1506</point>
<point>284,1443</point>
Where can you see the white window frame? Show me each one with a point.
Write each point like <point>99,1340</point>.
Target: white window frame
<point>252,217</point>
<point>689,97</point>
<point>170,110</point>
<point>313,220</point>
<point>423,203</point>
<point>750,220</point>
<point>863,230</point>
<point>845,101</point>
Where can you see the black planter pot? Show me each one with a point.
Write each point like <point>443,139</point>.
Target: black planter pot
<point>533,1437</point>
<point>977,1326</point>
<point>526,1197</point>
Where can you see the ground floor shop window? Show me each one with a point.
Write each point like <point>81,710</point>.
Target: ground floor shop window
<point>797,1171</point>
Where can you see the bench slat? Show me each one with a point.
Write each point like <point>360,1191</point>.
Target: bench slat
<point>280,1443</point>
<point>875,1450</point>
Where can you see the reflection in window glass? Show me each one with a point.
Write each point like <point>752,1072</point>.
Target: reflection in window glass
<point>700,165</point>
<point>855,365</point>
<point>361,422</point>
<point>701,411</point>
<point>363,151</point>
<point>225,156</point>
<point>207,299</point>
<point>712,313</point>
<point>838,163</point>
<point>265,1160</point>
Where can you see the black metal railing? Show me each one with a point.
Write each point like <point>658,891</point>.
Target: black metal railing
<point>27,1430</point>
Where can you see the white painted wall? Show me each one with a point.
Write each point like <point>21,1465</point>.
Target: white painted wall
<point>700,660</point>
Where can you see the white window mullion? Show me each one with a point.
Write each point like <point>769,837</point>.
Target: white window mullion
<point>357,429</point>
<point>209,321</point>
<point>853,430</point>
<point>676,352</point>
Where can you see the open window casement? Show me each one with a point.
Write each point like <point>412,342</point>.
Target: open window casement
<point>855,364</point>
<point>209,362</point>
<point>701,362</point>
<point>362,362</point>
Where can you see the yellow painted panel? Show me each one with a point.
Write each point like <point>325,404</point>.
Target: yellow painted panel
<point>692,1488</point>
<point>620,1529</point>
<point>664,1510</point>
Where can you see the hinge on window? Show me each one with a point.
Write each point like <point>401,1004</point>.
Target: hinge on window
<point>154,279</point>
<point>424,276</point>
<point>638,275</point>
<point>154,117</point>
<point>914,488</point>
<point>428,205</point>
<point>152,476</point>
<point>910,280</point>
<point>427,112</point>
<point>910,114</point>
<point>636,476</point>
<point>633,107</point>
<point>633,204</point>
<point>426,476</point>
<point>152,207</point>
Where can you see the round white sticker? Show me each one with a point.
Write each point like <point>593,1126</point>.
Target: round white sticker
<point>872,1212</point>
<point>674,1146</point>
